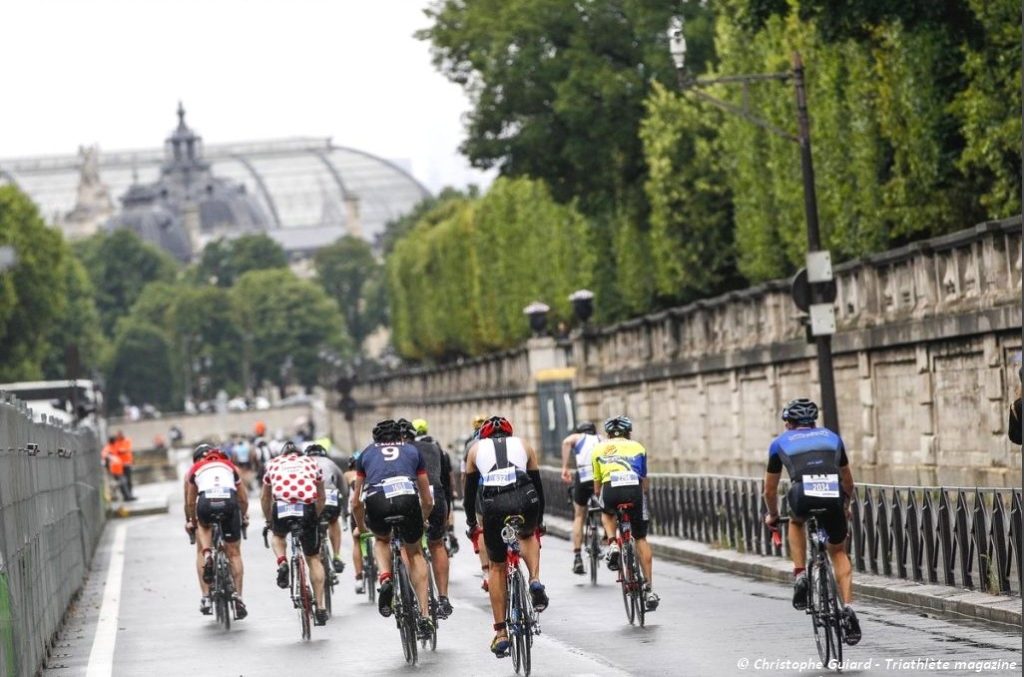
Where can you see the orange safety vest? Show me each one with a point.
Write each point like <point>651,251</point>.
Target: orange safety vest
<point>115,465</point>
<point>123,448</point>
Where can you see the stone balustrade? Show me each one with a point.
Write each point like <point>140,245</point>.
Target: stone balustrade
<point>922,361</point>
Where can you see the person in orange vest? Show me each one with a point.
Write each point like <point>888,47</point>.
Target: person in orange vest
<point>123,448</point>
<point>115,466</point>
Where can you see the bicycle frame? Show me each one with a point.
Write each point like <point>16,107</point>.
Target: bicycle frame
<point>631,576</point>
<point>520,623</point>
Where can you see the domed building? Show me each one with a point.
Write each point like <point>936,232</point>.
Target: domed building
<point>305,192</point>
<point>188,206</point>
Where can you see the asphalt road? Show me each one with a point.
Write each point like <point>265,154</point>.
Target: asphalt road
<point>708,624</point>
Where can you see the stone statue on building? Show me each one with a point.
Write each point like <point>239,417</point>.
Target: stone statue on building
<point>93,205</point>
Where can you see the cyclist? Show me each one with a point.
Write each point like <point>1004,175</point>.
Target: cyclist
<point>580,443</point>
<point>333,485</point>
<point>393,473</point>
<point>214,492</point>
<point>437,469</point>
<point>357,551</point>
<point>503,479</point>
<point>620,476</point>
<point>293,478</point>
<point>820,478</point>
<point>447,479</point>
<point>474,537</point>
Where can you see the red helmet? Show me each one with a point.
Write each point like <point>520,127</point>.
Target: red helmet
<point>495,426</point>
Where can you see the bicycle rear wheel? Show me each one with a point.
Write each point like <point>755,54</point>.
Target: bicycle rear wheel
<point>369,571</point>
<point>526,628</point>
<point>325,562</point>
<point>407,615</point>
<point>224,588</point>
<point>301,592</point>
<point>820,620</point>
<point>639,604</point>
<point>835,615</point>
<point>626,581</point>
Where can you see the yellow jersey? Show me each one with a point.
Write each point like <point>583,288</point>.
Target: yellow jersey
<point>617,455</point>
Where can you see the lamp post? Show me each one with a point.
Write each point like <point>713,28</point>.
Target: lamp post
<point>537,313</point>
<point>582,304</point>
<point>819,264</point>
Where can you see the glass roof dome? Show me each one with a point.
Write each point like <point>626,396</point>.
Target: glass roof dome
<point>312,190</point>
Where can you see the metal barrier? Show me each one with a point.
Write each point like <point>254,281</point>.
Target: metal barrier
<point>962,537</point>
<point>51,518</point>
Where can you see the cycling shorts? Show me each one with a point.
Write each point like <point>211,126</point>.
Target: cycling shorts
<point>222,510</point>
<point>437,523</point>
<point>330,513</point>
<point>309,534</point>
<point>582,491</point>
<point>833,520</point>
<point>407,505</point>
<point>615,496</point>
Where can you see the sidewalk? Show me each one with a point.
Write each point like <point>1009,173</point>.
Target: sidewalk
<point>153,499</point>
<point>940,600</point>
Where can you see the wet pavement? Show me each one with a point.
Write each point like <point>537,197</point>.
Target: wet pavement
<point>708,624</point>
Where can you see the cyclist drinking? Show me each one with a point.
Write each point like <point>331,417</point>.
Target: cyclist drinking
<point>437,522</point>
<point>502,480</point>
<point>820,477</point>
<point>580,443</point>
<point>620,476</point>
<point>214,492</point>
<point>294,479</point>
<point>393,473</point>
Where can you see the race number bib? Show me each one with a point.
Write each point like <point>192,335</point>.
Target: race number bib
<point>500,478</point>
<point>397,486</point>
<point>332,497</point>
<point>219,493</point>
<point>586,472</point>
<point>821,486</point>
<point>624,478</point>
<point>285,510</point>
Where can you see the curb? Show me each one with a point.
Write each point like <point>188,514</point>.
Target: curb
<point>1001,611</point>
<point>138,509</point>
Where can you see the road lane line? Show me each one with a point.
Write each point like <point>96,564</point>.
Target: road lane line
<point>101,656</point>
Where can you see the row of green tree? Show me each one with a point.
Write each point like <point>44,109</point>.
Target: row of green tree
<point>235,320</point>
<point>915,126</point>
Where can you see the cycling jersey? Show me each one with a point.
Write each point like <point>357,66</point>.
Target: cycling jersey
<point>583,448</point>
<point>242,452</point>
<point>214,475</point>
<point>381,462</point>
<point>807,451</point>
<point>293,478</point>
<point>618,460</point>
<point>333,481</point>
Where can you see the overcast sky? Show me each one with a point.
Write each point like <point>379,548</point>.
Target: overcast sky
<point>111,72</point>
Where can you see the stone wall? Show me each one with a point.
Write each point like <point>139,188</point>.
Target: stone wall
<point>922,367</point>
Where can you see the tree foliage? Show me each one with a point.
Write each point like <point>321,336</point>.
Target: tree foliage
<point>120,265</point>
<point>350,274</point>
<point>142,365</point>
<point>225,260</point>
<point>77,325</point>
<point>33,294</point>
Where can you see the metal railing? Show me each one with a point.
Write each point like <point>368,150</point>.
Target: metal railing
<point>962,537</point>
<point>51,518</point>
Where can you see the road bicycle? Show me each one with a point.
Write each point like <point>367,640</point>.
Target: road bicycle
<point>404,605</point>
<point>823,603</point>
<point>369,565</point>
<point>520,618</point>
<point>592,536</point>
<point>222,587</point>
<point>300,585</point>
<point>330,578</point>
<point>432,604</point>
<point>631,576</point>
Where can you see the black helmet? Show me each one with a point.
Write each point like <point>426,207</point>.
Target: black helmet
<point>587,427</point>
<point>289,448</point>
<point>801,412</point>
<point>387,431</point>
<point>200,451</point>
<point>315,450</point>
<point>618,426</point>
<point>406,428</point>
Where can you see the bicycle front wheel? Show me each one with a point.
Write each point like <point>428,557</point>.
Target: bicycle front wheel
<point>407,614</point>
<point>431,607</point>
<point>593,548</point>
<point>325,562</point>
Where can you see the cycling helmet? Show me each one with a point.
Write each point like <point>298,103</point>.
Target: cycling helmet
<point>618,426</point>
<point>201,450</point>
<point>315,450</point>
<point>801,412</point>
<point>289,448</point>
<point>586,427</point>
<point>495,426</point>
<point>387,431</point>
<point>406,428</point>
<point>420,426</point>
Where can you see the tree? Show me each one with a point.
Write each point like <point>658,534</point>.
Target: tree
<point>286,323</point>
<point>346,269</point>
<point>205,333</point>
<point>120,265</point>
<point>78,325</point>
<point>225,260</point>
<point>558,87</point>
<point>33,294</point>
<point>141,367</point>
<point>396,229</point>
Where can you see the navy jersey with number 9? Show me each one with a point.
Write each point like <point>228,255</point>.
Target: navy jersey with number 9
<point>383,460</point>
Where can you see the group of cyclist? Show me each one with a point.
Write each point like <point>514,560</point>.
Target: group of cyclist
<point>403,473</point>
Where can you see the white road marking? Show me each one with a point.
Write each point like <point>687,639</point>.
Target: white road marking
<point>101,656</point>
